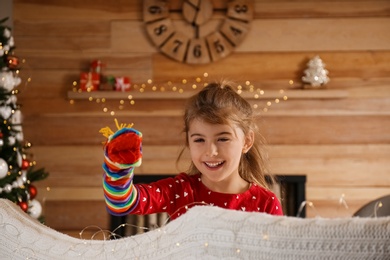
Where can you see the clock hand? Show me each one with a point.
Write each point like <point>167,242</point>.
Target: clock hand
<point>193,5</point>
<point>196,30</point>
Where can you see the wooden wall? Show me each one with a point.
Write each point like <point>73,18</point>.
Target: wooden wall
<point>339,137</point>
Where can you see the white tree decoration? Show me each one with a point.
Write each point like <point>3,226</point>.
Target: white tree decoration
<point>316,74</point>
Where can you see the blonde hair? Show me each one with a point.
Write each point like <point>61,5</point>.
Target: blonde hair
<point>218,103</point>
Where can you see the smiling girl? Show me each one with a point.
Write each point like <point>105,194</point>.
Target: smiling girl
<point>228,167</point>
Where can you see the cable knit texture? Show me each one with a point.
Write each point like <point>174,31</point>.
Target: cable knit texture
<point>205,232</point>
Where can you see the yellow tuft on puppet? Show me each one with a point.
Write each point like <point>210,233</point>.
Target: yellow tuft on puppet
<point>107,132</point>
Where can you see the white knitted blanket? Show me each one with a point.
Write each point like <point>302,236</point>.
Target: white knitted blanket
<point>205,232</point>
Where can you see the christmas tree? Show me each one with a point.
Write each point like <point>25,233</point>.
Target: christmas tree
<point>17,172</point>
<point>316,74</point>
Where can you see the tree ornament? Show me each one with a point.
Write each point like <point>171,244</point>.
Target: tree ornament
<point>33,191</point>
<point>23,205</point>
<point>316,74</point>
<point>19,158</point>
<point>3,168</point>
<point>5,112</point>
<point>8,80</point>
<point>12,62</point>
<point>7,188</point>
<point>25,164</point>
<point>16,118</point>
<point>11,140</point>
<point>35,209</point>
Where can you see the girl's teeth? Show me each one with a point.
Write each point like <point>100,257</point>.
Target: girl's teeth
<point>213,164</point>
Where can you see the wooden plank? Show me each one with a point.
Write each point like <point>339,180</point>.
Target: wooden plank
<point>337,202</point>
<point>305,129</point>
<point>76,215</point>
<point>92,194</point>
<point>325,165</point>
<point>279,35</point>
<point>68,60</point>
<point>58,82</point>
<point>130,36</point>
<point>43,10</point>
<point>357,174</point>
<point>326,129</point>
<point>347,69</point>
<point>48,44</point>
<point>322,9</point>
<point>94,108</point>
<point>265,94</point>
<point>61,29</point>
<point>146,108</point>
<point>375,102</point>
<point>307,34</point>
<point>276,66</point>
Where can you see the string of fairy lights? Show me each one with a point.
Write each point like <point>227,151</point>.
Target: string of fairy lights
<point>257,95</point>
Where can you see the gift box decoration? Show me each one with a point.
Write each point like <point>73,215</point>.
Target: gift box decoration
<point>107,83</point>
<point>97,66</point>
<point>122,84</point>
<point>89,81</point>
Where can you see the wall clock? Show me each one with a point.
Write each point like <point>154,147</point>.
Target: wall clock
<point>195,33</point>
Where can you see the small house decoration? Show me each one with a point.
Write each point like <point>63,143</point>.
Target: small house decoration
<point>316,75</point>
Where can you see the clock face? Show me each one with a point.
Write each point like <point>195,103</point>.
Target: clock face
<point>196,37</point>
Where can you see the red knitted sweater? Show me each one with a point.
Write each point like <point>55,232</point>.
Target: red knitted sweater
<point>176,195</point>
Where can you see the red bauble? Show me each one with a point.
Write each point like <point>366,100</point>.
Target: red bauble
<point>23,205</point>
<point>33,191</point>
<point>13,62</point>
<point>25,164</point>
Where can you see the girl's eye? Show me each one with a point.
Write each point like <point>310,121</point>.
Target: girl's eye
<point>223,139</point>
<point>198,140</point>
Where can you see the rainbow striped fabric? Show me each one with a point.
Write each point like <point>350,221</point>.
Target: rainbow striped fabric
<point>122,153</point>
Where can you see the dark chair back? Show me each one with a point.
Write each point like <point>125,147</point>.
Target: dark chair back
<point>376,208</point>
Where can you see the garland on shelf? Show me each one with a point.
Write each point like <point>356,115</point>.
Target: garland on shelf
<point>247,89</point>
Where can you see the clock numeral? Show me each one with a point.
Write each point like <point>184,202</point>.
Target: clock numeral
<point>198,52</point>
<point>154,10</point>
<point>175,46</point>
<point>240,10</point>
<point>220,47</point>
<point>234,30</point>
<point>160,29</point>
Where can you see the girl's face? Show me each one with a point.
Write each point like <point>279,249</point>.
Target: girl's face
<point>216,151</point>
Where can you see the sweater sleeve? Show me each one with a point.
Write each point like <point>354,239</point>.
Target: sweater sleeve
<point>273,206</point>
<point>122,153</point>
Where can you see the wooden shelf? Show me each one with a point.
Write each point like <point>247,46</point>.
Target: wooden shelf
<point>268,94</point>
